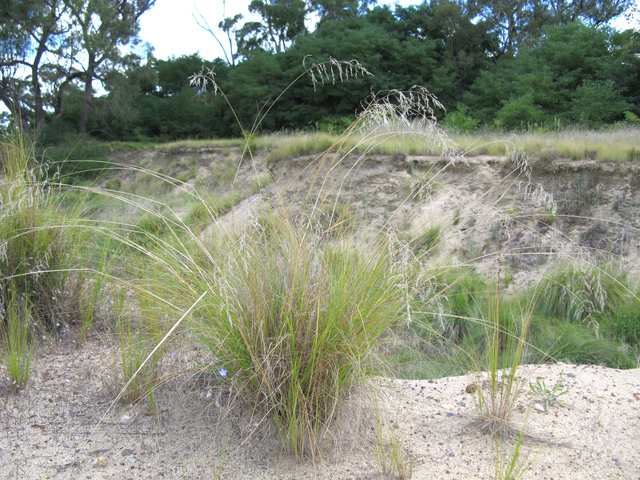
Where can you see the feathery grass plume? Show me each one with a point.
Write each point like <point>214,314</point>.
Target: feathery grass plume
<point>406,115</point>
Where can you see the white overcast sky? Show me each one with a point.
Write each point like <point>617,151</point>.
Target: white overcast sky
<point>171,28</point>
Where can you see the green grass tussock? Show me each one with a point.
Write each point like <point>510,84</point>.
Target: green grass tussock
<point>581,292</point>
<point>293,320</point>
<point>38,243</point>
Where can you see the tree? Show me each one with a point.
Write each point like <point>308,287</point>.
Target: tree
<point>282,22</point>
<point>336,9</point>
<point>463,47</point>
<point>519,23</point>
<point>575,68</point>
<point>593,12</point>
<point>103,27</point>
<point>29,32</point>
<point>231,29</point>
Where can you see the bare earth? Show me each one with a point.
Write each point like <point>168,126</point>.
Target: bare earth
<point>61,427</point>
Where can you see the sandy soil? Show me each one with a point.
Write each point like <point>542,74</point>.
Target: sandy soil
<point>60,427</point>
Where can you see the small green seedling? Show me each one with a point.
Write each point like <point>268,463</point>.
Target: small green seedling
<point>549,397</point>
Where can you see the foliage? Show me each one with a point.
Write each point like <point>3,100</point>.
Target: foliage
<point>624,324</point>
<point>565,75</point>
<point>565,342</point>
<point>137,337</point>
<point>506,340</point>
<point>460,120</point>
<point>549,397</point>
<point>54,32</point>
<point>294,321</point>
<point>581,293</point>
<point>37,245</point>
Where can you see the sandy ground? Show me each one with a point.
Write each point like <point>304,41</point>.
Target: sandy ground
<point>60,427</point>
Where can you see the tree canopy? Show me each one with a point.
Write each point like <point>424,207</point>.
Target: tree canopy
<point>497,63</point>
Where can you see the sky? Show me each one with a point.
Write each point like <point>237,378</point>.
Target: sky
<point>171,28</point>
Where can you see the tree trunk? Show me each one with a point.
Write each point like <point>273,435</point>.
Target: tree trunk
<point>37,89</point>
<point>88,96</point>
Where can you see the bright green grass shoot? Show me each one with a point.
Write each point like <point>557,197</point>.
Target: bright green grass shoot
<point>16,342</point>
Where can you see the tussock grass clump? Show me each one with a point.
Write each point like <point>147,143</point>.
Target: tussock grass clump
<point>506,334</point>
<point>16,342</point>
<point>293,319</point>
<point>38,245</point>
<point>138,372</point>
<point>581,292</point>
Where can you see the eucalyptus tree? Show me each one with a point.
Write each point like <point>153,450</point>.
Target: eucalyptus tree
<point>519,23</point>
<point>282,22</point>
<point>103,27</point>
<point>230,26</point>
<point>32,35</point>
<point>336,9</point>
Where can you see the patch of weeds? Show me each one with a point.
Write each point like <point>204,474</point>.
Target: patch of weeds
<point>207,210</point>
<point>335,218</point>
<point>625,325</point>
<point>459,294</point>
<point>90,292</point>
<point>139,359</point>
<point>38,238</point>
<point>456,217</point>
<point>294,320</point>
<point>391,455</point>
<point>151,185</point>
<point>576,344</point>
<point>578,199</point>
<point>422,187</point>
<point>549,397</point>
<point>261,181</point>
<point>149,229</point>
<point>546,220</point>
<point>508,463</point>
<point>498,395</point>
<point>223,174</point>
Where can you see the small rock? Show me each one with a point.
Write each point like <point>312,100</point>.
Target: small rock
<point>100,462</point>
<point>127,452</point>
<point>539,407</point>
<point>452,454</point>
